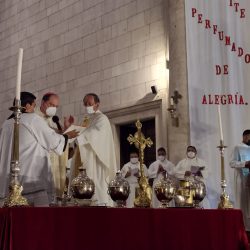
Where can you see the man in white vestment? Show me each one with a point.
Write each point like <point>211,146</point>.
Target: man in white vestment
<point>47,111</point>
<point>158,169</point>
<point>131,172</point>
<point>36,141</point>
<point>241,163</point>
<point>97,149</point>
<point>192,165</point>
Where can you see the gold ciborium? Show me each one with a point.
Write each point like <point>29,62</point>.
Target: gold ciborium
<point>15,198</point>
<point>144,197</point>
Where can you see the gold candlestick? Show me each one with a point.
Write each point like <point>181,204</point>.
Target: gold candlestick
<point>15,197</point>
<point>224,197</point>
<point>145,192</point>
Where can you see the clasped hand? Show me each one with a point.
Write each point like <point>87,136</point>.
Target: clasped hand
<point>161,169</point>
<point>130,172</point>
<point>72,134</point>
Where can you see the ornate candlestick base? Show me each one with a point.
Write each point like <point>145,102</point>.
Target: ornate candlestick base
<point>64,201</point>
<point>225,202</point>
<point>15,198</point>
<point>224,197</point>
<point>144,194</point>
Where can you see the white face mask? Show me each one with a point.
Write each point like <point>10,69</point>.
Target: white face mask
<point>191,154</point>
<point>90,109</point>
<point>161,157</point>
<point>51,111</point>
<point>134,160</point>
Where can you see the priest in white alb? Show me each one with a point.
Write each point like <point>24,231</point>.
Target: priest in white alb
<point>97,151</point>
<point>36,141</point>
<point>47,110</point>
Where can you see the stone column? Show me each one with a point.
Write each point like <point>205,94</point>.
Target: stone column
<point>178,137</point>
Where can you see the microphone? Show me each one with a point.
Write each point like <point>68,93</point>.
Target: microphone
<point>55,119</point>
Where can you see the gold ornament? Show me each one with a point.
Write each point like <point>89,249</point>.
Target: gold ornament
<point>144,197</point>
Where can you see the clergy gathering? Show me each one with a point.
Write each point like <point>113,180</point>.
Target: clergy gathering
<point>124,124</point>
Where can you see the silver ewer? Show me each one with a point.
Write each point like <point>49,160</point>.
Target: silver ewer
<point>82,187</point>
<point>119,190</point>
<point>165,191</point>
<point>199,190</point>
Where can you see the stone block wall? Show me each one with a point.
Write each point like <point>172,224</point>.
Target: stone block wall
<point>115,48</point>
<point>178,137</point>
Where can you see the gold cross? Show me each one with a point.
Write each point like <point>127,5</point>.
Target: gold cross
<point>139,139</point>
<point>145,193</point>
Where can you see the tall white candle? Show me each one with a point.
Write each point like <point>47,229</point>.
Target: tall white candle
<point>220,123</point>
<point>19,73</point>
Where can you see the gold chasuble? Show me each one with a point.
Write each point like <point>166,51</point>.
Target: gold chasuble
<point>77,156</point>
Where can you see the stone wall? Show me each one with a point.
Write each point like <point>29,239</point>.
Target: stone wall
<point>116,48</point>
<point>178,137</point>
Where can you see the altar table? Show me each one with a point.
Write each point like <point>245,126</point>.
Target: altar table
<point>97,228</point>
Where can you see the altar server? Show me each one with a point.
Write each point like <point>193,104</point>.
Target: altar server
<point>193,166</point>
<point>131,172</point>
<point>158,169</point>
<point>241,163</point>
